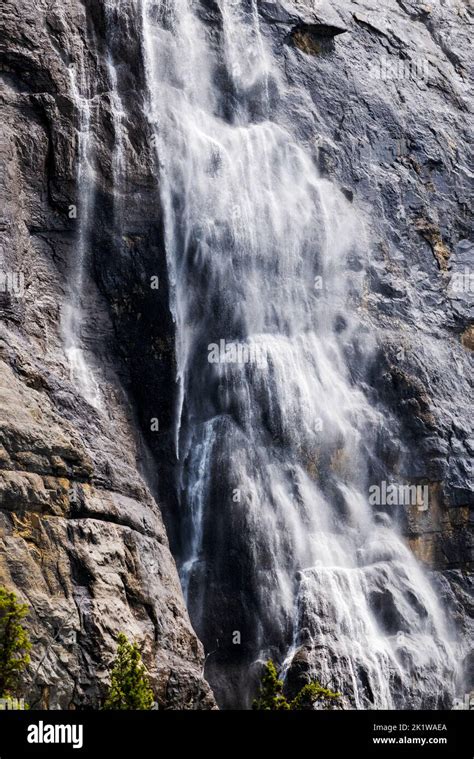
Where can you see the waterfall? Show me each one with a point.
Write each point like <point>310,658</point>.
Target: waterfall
<point>118,157</point>
<point>276,441</point>
<point>113,15</point>
<point>80,371</point>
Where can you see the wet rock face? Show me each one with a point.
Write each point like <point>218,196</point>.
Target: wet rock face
<point>82,539</point>
<point>391,109</point>
<point>400,146</point>
<point>394,133</point>
<point>81,533</point>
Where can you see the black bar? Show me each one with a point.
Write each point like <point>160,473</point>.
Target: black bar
<point>311,734</point>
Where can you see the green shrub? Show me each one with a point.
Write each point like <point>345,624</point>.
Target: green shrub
<point>313,693</point>
<point>270,695</point>
<point>129,687</point>
<point>14,642</point>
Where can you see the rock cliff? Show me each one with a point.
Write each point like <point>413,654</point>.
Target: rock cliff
<point>82,538</point>
<point>86,484</point>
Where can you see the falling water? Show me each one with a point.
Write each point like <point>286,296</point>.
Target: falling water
<point>113,14</point>
<point>274,456</point>
<point>80,371</point>
<point>118,113</point>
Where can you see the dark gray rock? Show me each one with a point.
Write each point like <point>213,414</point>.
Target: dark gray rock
<point>82,539</point>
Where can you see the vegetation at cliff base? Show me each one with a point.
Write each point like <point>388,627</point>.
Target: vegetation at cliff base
<point>14,643</point>
<point>314,693</point>
<point>130,687</point>
<point>270,695</point>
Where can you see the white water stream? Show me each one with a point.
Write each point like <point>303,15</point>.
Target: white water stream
<point>274,455</point>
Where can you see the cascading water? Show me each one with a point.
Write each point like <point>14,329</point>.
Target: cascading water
<point>80,371</point>
<point>281,553</point>
<point>112,15</point>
